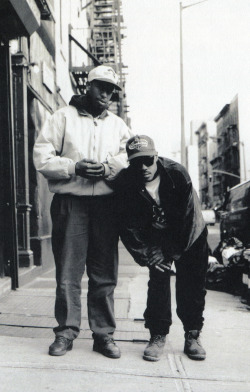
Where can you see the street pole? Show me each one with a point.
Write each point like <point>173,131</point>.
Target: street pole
<point>244,160</point>
<point>226,173</point>
<point>183,138</point>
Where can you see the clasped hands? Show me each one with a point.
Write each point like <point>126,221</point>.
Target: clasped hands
<point>89,168</point>
<point>156,259</point>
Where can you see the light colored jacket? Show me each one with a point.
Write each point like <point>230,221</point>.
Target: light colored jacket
<point>68,137</point>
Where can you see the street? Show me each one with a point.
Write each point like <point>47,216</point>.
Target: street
<point>213,236</point>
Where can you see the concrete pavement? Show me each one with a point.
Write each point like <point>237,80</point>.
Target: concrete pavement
<point>26,323</point>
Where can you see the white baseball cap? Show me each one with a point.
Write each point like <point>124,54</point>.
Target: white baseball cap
<point>105,74</point>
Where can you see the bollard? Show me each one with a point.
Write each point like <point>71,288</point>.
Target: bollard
<point>246,255</point>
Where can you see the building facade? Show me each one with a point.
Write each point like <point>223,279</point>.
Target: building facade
<point>192,165</point>
<point>192,156</point>
<point>226,163</point>
<point>206,151</point>
<point>222,160</point>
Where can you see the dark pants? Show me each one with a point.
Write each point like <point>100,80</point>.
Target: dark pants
<point>84,234</point>
<point>191,271</point>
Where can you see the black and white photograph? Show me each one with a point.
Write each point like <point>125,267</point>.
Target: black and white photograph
<point>125,195</point>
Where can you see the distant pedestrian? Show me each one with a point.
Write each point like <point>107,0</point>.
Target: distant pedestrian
<point>79,148</point>
<point>161,221</point>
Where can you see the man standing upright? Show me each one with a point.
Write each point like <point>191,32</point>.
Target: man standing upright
<point>161,221</point>
<point>79,148</point>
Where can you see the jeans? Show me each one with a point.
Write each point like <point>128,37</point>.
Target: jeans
<point>84,234</point>
<point>191,271</point>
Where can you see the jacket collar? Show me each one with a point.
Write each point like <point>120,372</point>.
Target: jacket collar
<point>164,165</point>
<point>84,112</point>
<point>80,102</point>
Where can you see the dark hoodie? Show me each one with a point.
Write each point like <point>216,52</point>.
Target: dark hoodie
<point>83,104</point>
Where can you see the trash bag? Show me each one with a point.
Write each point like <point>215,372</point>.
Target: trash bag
<point>226,274</point>
<point>228,249</point>
<point>230,255</point>
<point>217,252</point>
<point>216,277</point>
<point>246,254</point>
<point>232,252</point>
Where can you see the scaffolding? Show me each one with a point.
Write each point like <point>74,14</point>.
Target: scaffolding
<point>106,35</point>
<point>105,43</point>
<point>104,46</point>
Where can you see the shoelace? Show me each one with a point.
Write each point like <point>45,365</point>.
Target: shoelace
<point>156,339</point>
<point>109,340</point>
<point>61,339</point>
<point>190,336</point>
<point>198,341</point>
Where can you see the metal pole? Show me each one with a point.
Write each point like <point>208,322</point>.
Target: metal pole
<point>226,173</point>
<point>95,60</point>
<point>244,160</point>
<point>121,109</point>
<point>183,141</point>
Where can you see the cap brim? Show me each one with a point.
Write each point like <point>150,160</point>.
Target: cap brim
<point>143,154</point>
<point>108,81</point>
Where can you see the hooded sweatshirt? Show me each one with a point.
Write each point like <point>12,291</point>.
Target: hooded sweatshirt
<point>72,134</point>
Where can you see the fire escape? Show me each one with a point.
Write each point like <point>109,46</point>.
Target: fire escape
<point>103,47</point>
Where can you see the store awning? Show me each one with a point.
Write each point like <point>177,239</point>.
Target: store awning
<point>19,17</point>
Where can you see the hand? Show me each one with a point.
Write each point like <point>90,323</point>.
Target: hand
<point>89,168</point>
<point>157,260</point>
<point>164,266</point>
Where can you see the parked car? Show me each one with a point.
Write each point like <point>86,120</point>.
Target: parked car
<point>235,217</point>
<point>209,217</point>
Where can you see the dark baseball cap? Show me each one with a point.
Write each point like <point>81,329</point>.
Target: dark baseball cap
<point>139,146</point>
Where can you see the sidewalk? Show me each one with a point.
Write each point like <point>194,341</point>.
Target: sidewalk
<point>26,322</point>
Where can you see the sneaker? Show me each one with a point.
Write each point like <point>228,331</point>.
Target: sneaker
<point>154,348</point>
<point>193,347</point>
<point>60,346</point>
<point>107,347</point>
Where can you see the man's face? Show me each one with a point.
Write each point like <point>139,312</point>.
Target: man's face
<point>145,166</point>
<point>100,93</point>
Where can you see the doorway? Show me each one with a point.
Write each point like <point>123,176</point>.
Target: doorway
<point>8,225</point>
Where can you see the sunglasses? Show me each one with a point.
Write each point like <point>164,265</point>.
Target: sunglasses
<point>139,162</point>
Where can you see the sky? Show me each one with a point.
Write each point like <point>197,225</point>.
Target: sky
<point>216,61</point>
